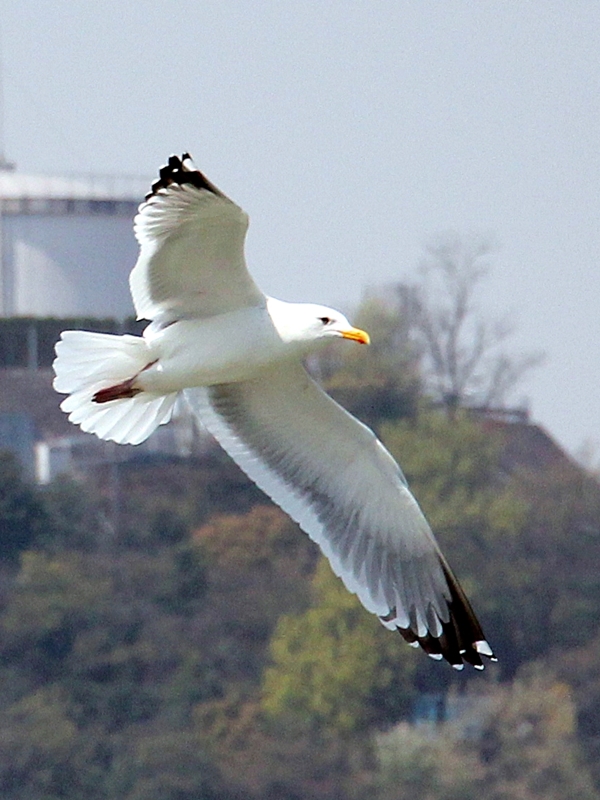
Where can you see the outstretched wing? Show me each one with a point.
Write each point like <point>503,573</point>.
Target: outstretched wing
<point>332,475</point>
<point>191,237</point>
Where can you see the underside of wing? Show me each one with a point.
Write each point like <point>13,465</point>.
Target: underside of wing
<point>191,237</point>
<point>333,476</point>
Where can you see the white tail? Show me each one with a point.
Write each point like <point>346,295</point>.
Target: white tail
<point>88,362</point>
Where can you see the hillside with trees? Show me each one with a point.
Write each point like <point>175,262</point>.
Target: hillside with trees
<point>183,639</point>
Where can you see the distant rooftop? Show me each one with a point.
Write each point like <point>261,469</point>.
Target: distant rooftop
<point>17,186</point>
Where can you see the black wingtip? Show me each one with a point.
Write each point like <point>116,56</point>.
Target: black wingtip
<point>462,640</point>
<point>181,170</point>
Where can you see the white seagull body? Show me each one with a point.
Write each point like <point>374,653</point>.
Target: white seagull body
<point>236,356</point>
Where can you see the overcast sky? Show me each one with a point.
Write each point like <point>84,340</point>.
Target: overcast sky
<point>352,132</point>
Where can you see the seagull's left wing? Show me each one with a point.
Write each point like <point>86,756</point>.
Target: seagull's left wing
<point>191,261</point>
<point>332,475</point>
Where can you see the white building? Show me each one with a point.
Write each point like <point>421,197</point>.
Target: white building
<point>66,244</point>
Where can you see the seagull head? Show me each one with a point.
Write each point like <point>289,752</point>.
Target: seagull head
<point>308,324</point>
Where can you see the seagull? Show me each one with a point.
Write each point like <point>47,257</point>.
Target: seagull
<point>237,357</point>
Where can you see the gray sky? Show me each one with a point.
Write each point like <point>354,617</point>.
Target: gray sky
<point>352,132</point>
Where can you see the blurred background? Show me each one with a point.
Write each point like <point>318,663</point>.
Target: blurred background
<point>433,171</point>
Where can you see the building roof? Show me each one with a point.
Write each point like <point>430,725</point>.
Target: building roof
<point>17,186</point>
<point>527,446</point>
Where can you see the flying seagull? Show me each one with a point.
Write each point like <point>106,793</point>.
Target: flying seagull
<point>236,356</point>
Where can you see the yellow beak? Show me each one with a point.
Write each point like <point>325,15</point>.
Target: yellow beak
<point>362,337</point>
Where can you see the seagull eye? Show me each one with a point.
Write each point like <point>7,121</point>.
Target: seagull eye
<point>325,320</point>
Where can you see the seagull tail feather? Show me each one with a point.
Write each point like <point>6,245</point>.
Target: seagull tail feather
<point>94,369</point>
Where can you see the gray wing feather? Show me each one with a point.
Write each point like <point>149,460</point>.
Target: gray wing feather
<point>332,475</point>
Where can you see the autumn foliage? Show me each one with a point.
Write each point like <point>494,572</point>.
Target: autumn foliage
<point>167,634</point>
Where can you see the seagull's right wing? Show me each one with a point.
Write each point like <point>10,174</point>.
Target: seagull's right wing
<point>191,261</point>
<point>332,475</point>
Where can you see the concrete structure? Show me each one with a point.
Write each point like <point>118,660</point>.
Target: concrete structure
<point>38,433</point>
<point>66,244</point>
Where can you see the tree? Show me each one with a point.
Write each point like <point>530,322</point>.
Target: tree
<point>523,542</point>
<point>76,521</point>
<point>462,352</point>
<point>580,668</point>
<point>453,468</point>
<point>42,754</point>
<point>259,760</point>
<point>517,741</point>
<point>260,568</point>
<point>335,668</point>
<point>168,765</point>
<point>529,744</point>
<point>424,764</point>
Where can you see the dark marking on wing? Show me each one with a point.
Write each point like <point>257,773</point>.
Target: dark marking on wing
<point>457,643</point>
<point>179,172</point>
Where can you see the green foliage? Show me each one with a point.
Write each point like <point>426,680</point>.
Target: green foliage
<point>169,765</point>
<point>421,764</point>
<point>54,595</point>
<point>119,644</point>
<point>517,742</point>
<point>529,744</point>
<point>184,581</point>
<point>525,545</point>
<point>561,552</point>
<point>333,663</point>
<point>92,651</point>
<point>452,465</point>
<point>164,634</point>
<point>74,514</point>
<point>290,762</point>
<point>42,754</point>
<point>580,668</point>
<point>151,503</point>
<point>261,567</point>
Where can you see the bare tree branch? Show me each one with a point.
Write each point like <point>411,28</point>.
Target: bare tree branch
<point>460,347</point>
